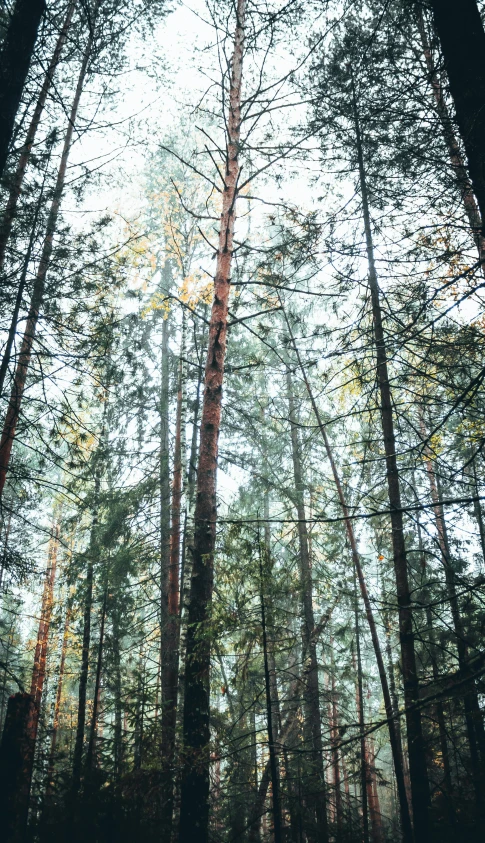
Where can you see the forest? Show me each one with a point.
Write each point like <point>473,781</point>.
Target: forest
<point>242,448</point>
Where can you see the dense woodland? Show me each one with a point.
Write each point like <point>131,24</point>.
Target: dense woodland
<point>242,382</point>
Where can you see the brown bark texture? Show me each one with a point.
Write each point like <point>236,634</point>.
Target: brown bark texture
<point>194,808</point>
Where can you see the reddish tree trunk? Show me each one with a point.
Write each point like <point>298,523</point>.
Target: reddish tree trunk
<point>57,704</point>
<point>194,808</point>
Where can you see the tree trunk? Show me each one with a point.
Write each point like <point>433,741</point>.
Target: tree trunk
<point>272,727</point>
<point>26,149</point>
<point>372,795</point>
<point>334,737</point>
<point>359,700</point>
<point>16,761</point>
<point>23,363</point>
<point>393,725</point>
<point>15,59</point>
<point>91,751</point>
<point>171,631</point>
<point>194,809</point>
<point>318,829</point>
<point>57,704</point>
<point>459,167</point>
<point>473,715</point>
<point>416,746</point>
<point>83,676</point>
<point>462,41</point>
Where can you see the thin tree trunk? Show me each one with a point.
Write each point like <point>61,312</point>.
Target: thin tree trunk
<point>473,715</point>
<point>57,704</point>
<point>20,376</point>
<point>359,699</point>
<point>40,660</point>
<point>91,751</point>
<point>416,746</point>
<point>270,712</point>
<point>447,787</point>
<point>393,726</point>
<point>318,830</point>
<point>462,41</point>
<point>26,149</point>
<point>118,719</point>
<point>171,631</point>
<point>194,809</point>
<point>334,737</point>
<point>7,354</point>
<point>83,676</point>
<point>372,795</point>
<point>15,58</point>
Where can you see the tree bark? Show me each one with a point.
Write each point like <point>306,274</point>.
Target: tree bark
<point>416,746</point>
<point>462,41</point>
<point>194,809</point>
<point>15,59</point>
<point>26,149</point>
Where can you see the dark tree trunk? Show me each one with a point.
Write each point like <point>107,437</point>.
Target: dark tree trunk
<point>16,762</point>
<point>359,699</point>
<point>462,179</point>
<point>462,39</point>
<point>91,751</point>
<point>393,725</point>
<point>473,715</point>
<point>171,629</point>
<point>194,806</point>
<point>15,59</point>
<point>416,746</point>
<point>318,828</point>
<point>83,676</point>
<point>272,727</point>
<point>20,376</point>
<point>18,177</point>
